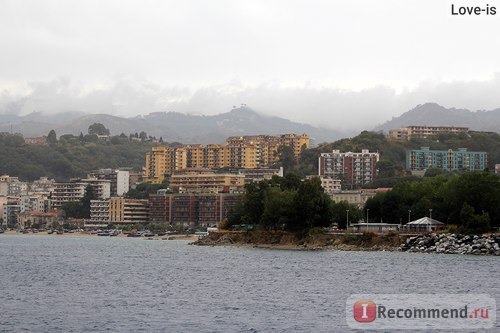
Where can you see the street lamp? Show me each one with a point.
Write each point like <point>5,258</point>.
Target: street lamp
<point>409,215</point>
<point>367,210</point>
<point>430,213</point>
<point>347,224</point>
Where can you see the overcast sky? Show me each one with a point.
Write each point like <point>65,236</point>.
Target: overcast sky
<point>335,63</point>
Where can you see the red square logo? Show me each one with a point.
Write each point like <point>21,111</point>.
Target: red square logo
<point>365,311</point>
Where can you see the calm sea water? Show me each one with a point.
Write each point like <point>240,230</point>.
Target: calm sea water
<point>77,284</point>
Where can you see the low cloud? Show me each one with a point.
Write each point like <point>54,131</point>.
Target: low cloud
<point>320,106</point>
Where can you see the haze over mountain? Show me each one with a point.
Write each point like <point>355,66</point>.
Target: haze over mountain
<point>437,115</point>
<point>171,126</point>
<point>185,128</point>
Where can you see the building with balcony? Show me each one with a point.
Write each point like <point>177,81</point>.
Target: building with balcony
<point>128,211</point>
<point>66,192</point>
<point>330,185</point>
<point>190,209</point>
<point>119,180</point>
<point>243,152</point>
<point>422,132</point>
<point>419,160</point>
<point>204,181</point>
<point>352,169</point>
<point>74,191</point>
<point>256,175</point>
<point>99,214</point>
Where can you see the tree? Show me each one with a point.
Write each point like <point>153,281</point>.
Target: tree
<point>286,158</point>
<point>98,129</point>
<point>313,206</point>
<point>473,223</point>
<point>52,138</point>
<point>279,211</point>
<point>87,197</point>
<point>80,209</point>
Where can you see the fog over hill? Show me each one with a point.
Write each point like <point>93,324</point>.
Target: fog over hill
<point>437,115</point>
<point>185,128</point>
<point>171,126</point>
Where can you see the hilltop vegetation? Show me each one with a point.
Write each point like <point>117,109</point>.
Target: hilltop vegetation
<point>74,156</point>
<point>69,156</point>
<point>393,154</point>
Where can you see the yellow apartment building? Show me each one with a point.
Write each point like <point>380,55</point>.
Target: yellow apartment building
<point>245,152</point>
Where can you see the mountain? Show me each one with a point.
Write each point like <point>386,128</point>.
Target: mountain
<point>435,114</point>
<point>171,126</point>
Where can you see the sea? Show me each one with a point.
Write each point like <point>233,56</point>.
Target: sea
<point>102,284</point>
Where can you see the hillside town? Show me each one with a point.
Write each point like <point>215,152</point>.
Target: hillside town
<point>205,182</point>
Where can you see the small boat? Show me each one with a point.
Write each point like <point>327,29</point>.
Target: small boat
<point>60,232</point>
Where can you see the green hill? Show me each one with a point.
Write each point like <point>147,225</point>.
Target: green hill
<point>70,156</point>
<point>393,154</point>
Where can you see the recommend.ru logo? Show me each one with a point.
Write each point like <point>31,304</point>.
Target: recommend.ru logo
<point>421,311</point>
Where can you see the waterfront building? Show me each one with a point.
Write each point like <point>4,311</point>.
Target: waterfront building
<point>39,219</point>
<point>128,211</point>
<point>353,169</point>
<point>99,214</point>
<point>10,214</point>
<point>191,209</point>
<point>74,191</point>
<point>422,132</point>
<point>419,160</point>
<point>66,192</point>
<point>373,227</point>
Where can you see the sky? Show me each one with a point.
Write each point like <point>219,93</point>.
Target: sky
<point>339,64</point>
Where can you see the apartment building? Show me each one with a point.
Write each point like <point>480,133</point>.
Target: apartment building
<point>12,186</point>
<point>353,169</point>
<point>99,213</point>
<point>191,209</point>
<point>422,132</point>
<point>119,180</point>
<point>330,185</point>
<point>75,190</point>
<point>449,160</point>
<point>356,197</point>
<point>245,152</point>
<point>256,175</point>
<point>41,186</point>
<point>66,192</point>
<point>205,181</point>
<point>128,211</point>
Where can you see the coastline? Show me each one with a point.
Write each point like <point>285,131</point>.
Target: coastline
<point>311,242</point>
<point>189,237</point>
<point>427,243</point>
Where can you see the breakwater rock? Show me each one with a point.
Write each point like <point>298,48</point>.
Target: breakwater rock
<point>454,244</point>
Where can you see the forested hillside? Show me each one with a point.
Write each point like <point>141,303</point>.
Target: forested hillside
<point>69,156</point>
<point>74,156</point>
<point>392,154</point>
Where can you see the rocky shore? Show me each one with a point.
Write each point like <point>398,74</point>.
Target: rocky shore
<point>453,244</point>
<point>290,241</point>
